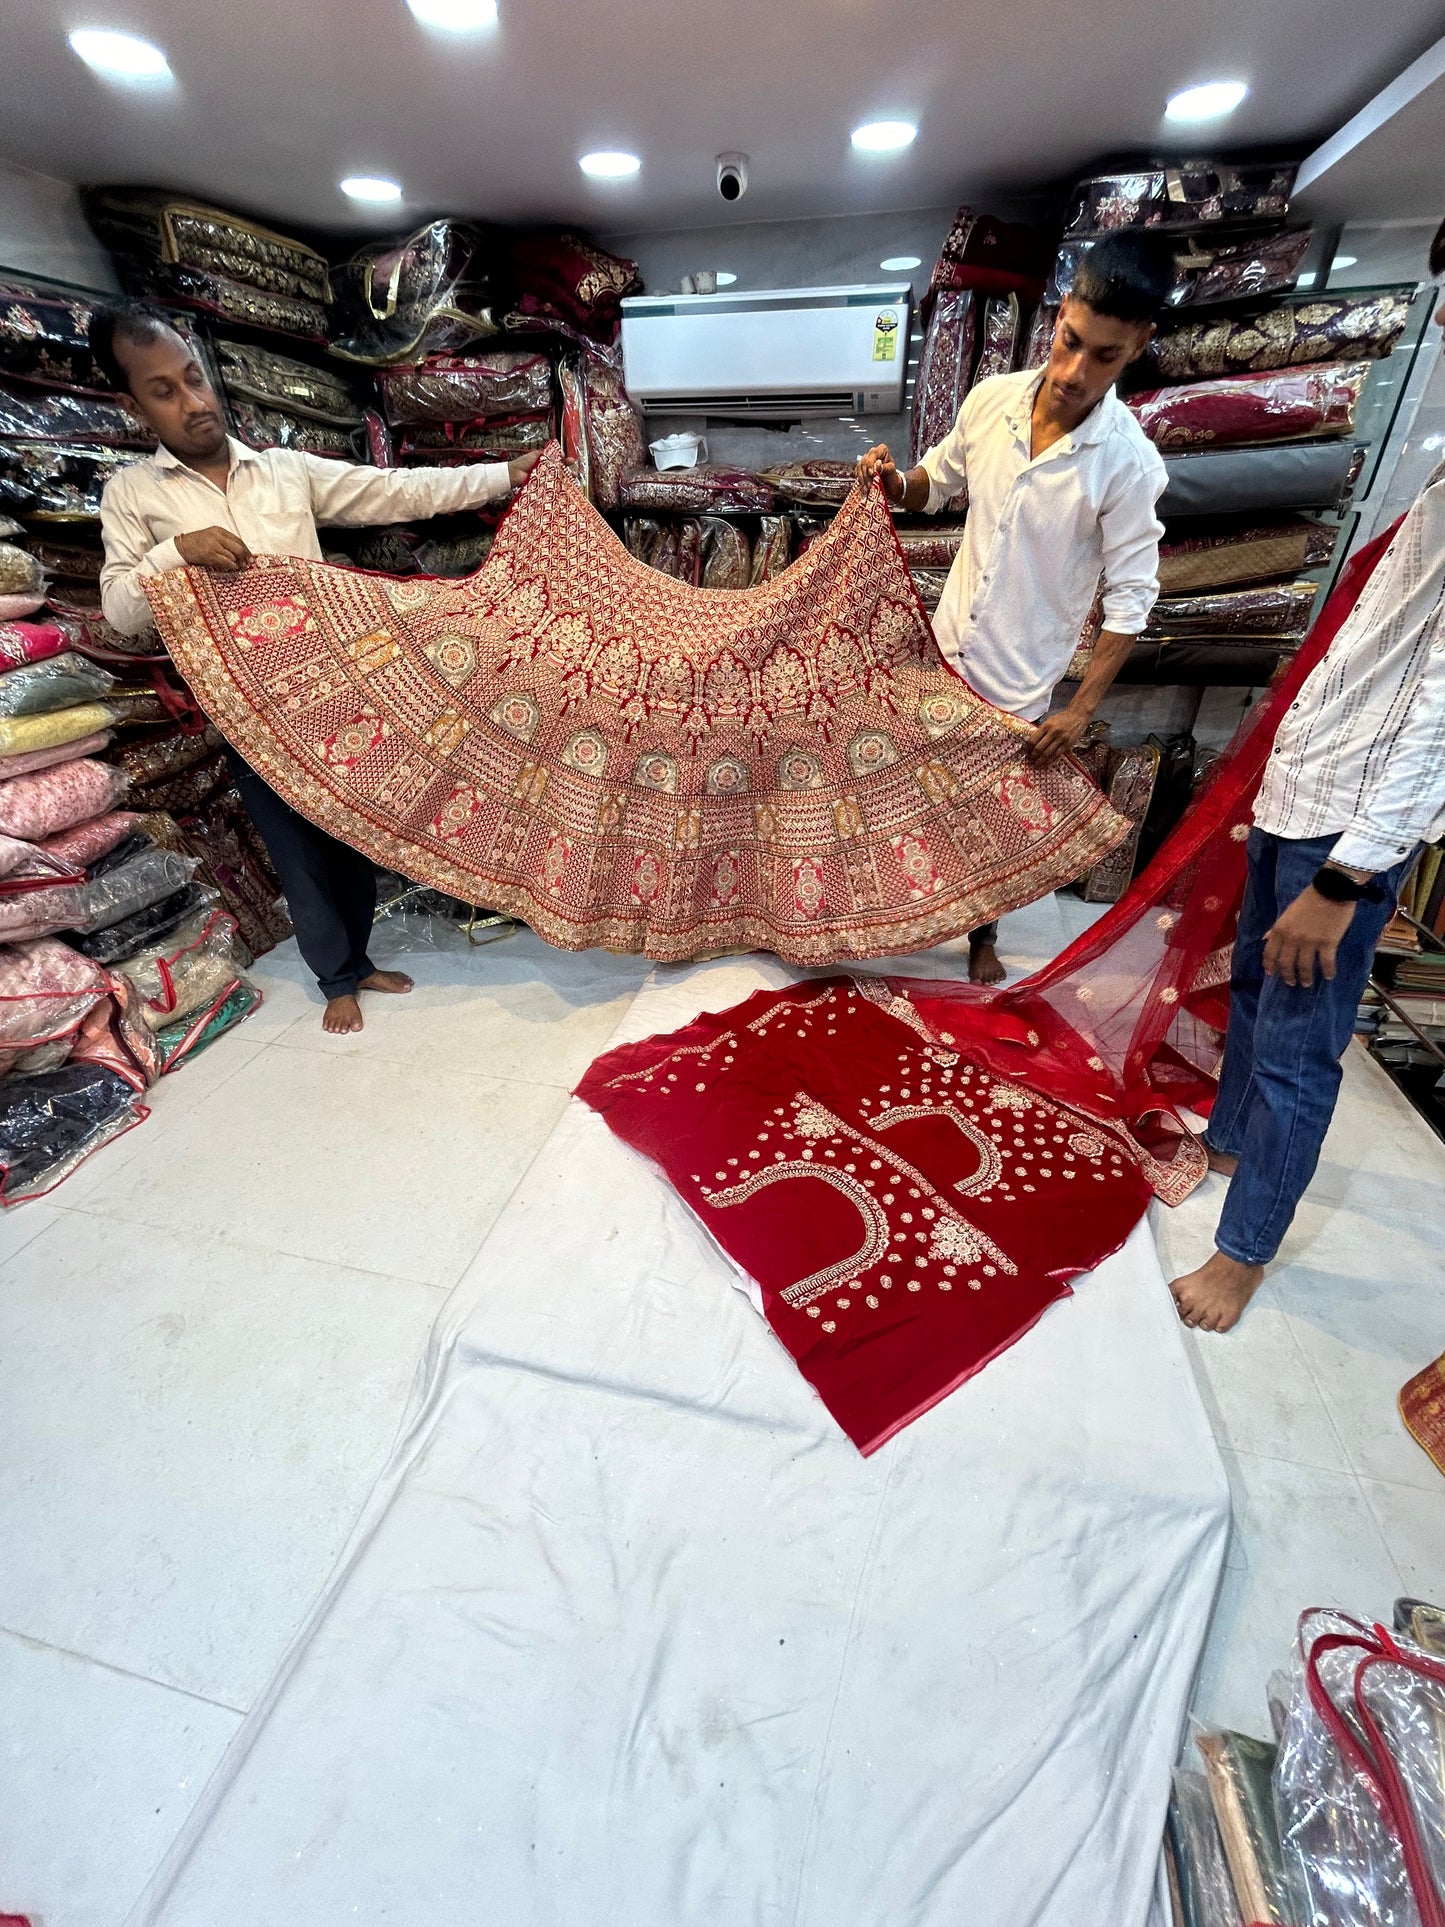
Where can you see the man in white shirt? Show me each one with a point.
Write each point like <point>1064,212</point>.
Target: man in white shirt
<point>206,500</point>
<point>1061,483</point>
<point>1355,782</point>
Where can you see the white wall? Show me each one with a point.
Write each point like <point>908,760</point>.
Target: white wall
<point>42,231</point>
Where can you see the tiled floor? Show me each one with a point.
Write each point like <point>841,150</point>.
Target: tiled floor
<point>206,1338</point>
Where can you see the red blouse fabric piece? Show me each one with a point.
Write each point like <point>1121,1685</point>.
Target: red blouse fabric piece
<point>906,1212</point>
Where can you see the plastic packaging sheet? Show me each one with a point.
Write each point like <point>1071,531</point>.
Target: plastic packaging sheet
<point>402,300</point>
<point>628,1632</point>
<point>59,682</point>
<point>696,491</point>
<point>1405,1698</point>
<point>463,388</point>
<point>57,417</point>
<point>51,1122</point>
<point>1197,193</point>
<point>1292,404</point>
<point>944,365</point>
<point>1199,1870</point>
<point>1206,274</point>
<point>50,800</point>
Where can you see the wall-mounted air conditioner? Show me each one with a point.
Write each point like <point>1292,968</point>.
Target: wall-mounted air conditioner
<point>774,356</point>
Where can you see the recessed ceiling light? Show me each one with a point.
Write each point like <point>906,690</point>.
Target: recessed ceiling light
<point>1212,101</point>
<point>370,187</point>
<point>1345,261</point>
<point>724,279</point>
<point>901,263</point>
<point>609,165</point>
<point>455,16</point>
<point>119,56</point>
<point>883,136</point>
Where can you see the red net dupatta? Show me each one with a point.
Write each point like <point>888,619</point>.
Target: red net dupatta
<point>907,1214</point>
<point>625,760</point>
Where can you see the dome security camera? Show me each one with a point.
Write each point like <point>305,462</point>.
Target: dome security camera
<point>732,176</point>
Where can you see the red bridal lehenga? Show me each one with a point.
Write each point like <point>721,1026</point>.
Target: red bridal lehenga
<point>624,760</point>
<point>912,1170</point>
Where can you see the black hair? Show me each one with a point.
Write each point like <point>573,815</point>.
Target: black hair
<point>139,322</point>
<point>1126,276</point>
<point>1437,251</point>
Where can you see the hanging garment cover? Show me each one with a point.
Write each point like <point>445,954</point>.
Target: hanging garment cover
<point>571,737</point>
<point>426,294</point>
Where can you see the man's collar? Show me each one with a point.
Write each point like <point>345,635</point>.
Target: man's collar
<point>1093,428</point>
<point>164,458</point>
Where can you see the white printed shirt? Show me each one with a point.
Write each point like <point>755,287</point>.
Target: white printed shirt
<point>273,500</point>
<point>1361,750</point>
<point>1039,534</point>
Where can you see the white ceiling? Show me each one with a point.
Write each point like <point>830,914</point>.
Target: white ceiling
<point>275,100</point>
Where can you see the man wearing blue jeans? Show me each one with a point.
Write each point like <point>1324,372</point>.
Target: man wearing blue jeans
<point>1354,784</point>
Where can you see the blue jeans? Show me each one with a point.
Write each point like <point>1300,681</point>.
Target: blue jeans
<point>1281,1071</point>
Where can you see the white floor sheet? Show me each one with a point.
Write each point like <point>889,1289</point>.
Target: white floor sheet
<point>630,1636</point>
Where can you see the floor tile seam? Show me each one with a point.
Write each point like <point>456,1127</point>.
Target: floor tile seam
<point>121,1672</point>
<point>381,1057</point>
<point>1355,1480</point>
<point>252,1245</point>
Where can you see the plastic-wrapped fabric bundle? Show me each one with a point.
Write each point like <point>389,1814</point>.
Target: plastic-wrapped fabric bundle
<point>1275,610</point>
<point>39,913</point>
<point>71,564</point>
<point>441,443</point>
<point>455,554</point>
<point>277,381</point>
<point>87,630</point>
<point>60,417</point>
<point>773,549</point>
<point>563,278</point>
<point>465,388</point>
<point>46,990</point>
<point>98,902</point>
<point>186,791</point>
<point>151,224</point>
<point>696,491</point>
<point>929,584</point>
<point>998,337</point>
<point>179,1042</point>
<point>1198,1871</point>
<point>29,761</point>
<point>219,296</point>
<point>1189,194</point>
<point>1290,334</point>
<point>171,975</point>
<point>234,863</point>
<point>812,484</point>
<point>48,800</point>
<point>1402,1695</point>
<point>1238,1768</point>
<point>18,734</point>
<point>674,548</point>
<point>22,642</point>
<point>1288,405</point>
<point>117,940</point>
<point>83,844</point>
<point>51,1122</point>
<point>1207,274</point>
<point>260,427</point>
<point>727,561</point>
<point>428,293</point>
<point>20,572</point>
<point>1232,552</point>
<point>134,706</point>
<point>1129,788</point>
<point>572,428</point>
<point>992,257</point>
<point>29,1063</point>
<point>943,370</point>
<point>24,865</point>
<point>168,753</point>
<point>59,682</point>
<point>58,481</point>
<point>44,335</point>
<point>613,432</point>
<point>1285,475</point>
<point>931,548</point>
<point>1041,336</point>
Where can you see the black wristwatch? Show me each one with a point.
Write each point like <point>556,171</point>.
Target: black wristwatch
<point>1336,887</point>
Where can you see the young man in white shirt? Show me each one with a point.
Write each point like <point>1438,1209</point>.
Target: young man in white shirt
<point>206,500</point>
<point>1354,784</point>
<point>1061,483</point>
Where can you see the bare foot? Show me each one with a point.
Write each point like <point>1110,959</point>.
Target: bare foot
<point>341,1016</point>
<point>396,982</point>
<point>1213,1298</point>
<point>1224,1162</point>
<point>984,964</point>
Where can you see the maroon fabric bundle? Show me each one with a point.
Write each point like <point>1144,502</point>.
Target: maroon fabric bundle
<point>1288,405</point>
<point>561,277</point>
<point>1282,609</point>
<point>611,429</point>
<point>696,491</point>
<point>1206,275</point>
<point>812,484</point>
<point>468,388</point>
<point>1041,335</point>
<point>1000,337</point>
<point>993,257</point>
<point>727,561</point>
<point>773,549</point>
<point>931,548</point>
<point>673,548</point>
<point>1191,194</point>
<point>442,444</point>
<point>943,370</point>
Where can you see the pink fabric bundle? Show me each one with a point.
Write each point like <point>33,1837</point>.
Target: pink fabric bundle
<point>33,759</point>
<point>46,990</point>
<point>51,800</point>
<point>87,842</point>
<point>23,864</point>
<point>22,642</point>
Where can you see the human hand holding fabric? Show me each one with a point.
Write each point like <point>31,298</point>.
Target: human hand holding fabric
<point>1057,734</point>
<point>1306,937</point>
<point>214,548</point>
<point>521,468</point>
<point>878,462</point>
